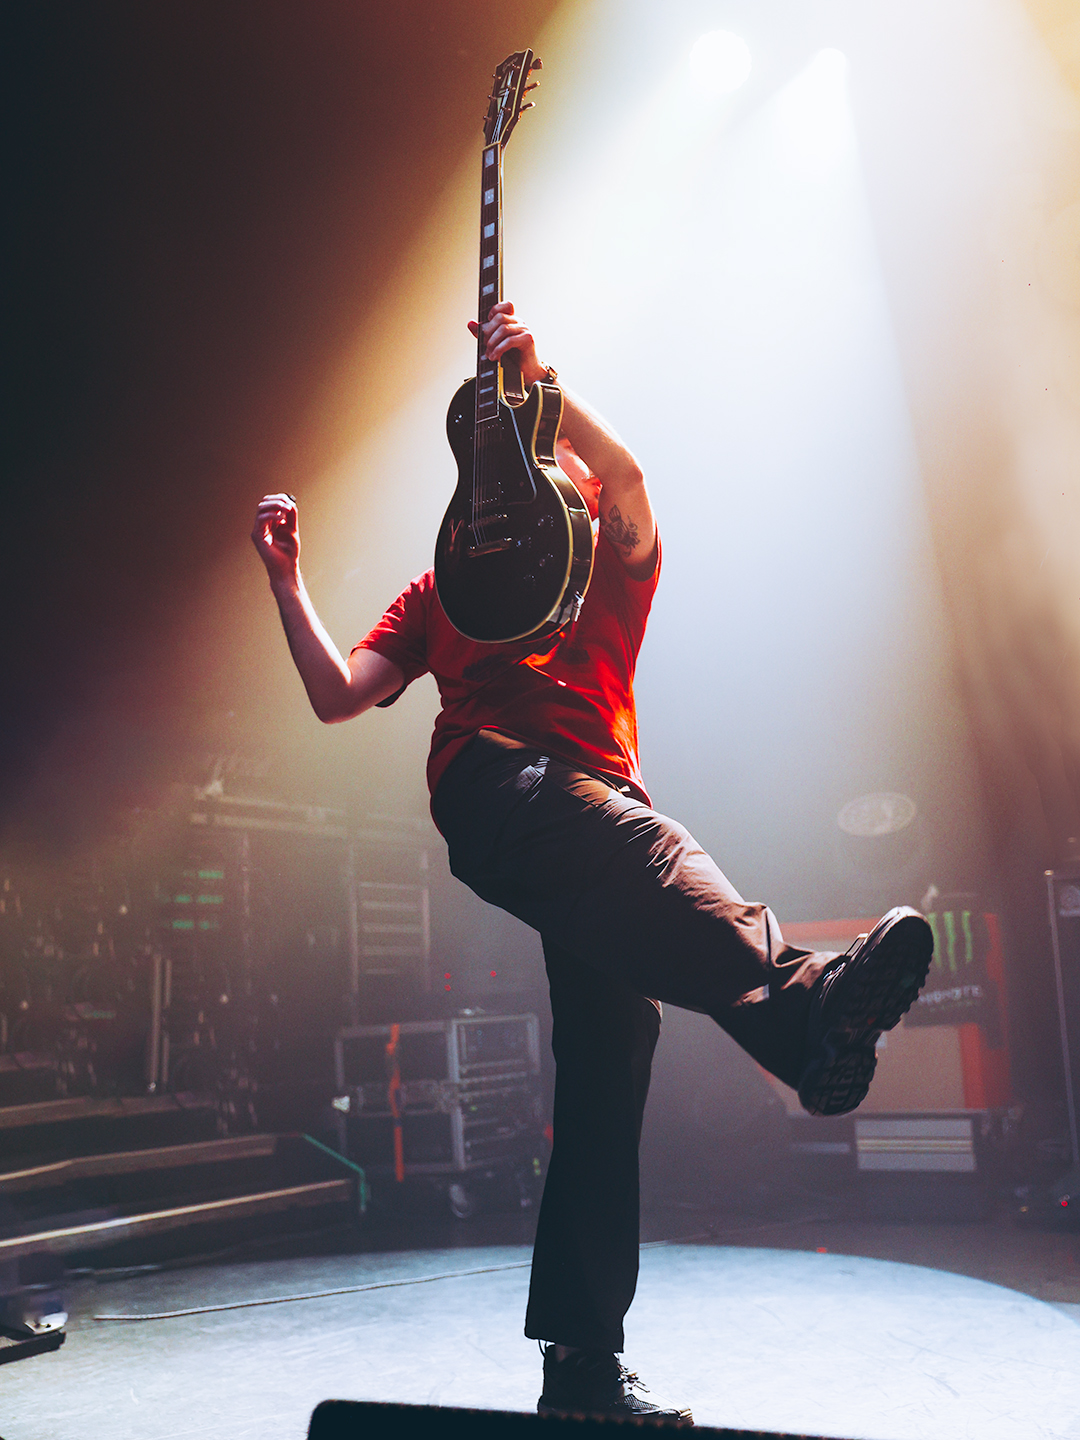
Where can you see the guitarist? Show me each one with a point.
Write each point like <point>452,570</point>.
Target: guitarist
<point>536,787</point>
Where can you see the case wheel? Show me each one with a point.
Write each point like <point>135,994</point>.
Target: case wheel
<point>461,1199</point>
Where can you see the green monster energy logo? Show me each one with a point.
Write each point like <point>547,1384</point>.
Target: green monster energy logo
<point>947,941</point>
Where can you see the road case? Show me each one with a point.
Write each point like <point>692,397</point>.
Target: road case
<point>456,1100</point>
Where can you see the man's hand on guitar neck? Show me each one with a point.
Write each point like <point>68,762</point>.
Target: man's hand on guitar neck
<point>626,515</point>
<point>504,332</point>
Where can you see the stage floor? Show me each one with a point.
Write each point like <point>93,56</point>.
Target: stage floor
<point>776,1339</point>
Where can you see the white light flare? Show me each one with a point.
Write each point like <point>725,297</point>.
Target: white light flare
<point>813,121</point>
<point>720,63</point>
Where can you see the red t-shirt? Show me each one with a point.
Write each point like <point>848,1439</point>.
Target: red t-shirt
<point>574,700</point>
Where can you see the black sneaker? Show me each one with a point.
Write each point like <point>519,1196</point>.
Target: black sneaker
<point>861,994</point>
<point>592,1382</point>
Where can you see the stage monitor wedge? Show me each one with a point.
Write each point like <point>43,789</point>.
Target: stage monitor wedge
<point>372,1420</point>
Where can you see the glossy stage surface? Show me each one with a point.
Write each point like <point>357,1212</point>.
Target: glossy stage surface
<point>752,1338</point>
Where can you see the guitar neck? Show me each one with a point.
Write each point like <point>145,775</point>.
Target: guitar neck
<point>489,380</point>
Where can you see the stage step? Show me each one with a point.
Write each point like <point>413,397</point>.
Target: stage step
<point>92,1107</point>
<point>72,1239</point>
<point>100,1182</point>
<point>163,1157</point>
<point>90,1125</point>
<point>87,1202</point>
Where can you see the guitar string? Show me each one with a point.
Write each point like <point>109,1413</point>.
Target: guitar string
<point>482,489</point>
<point>480,443</point>
<point>480,468</point>
<point>479,429</point>
<point>476,456</point>
<point>483,435</point>
<point>485,482</point>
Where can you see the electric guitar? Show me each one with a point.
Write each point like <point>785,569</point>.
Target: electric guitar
<point>514,553</point>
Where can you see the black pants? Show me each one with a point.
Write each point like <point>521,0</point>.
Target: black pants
<point>631,912</point>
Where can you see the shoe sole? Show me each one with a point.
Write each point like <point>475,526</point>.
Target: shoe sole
<point>674,1419</point>
<point>887,972</point>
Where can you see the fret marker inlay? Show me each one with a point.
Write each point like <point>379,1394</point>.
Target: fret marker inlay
<point>489,230</point>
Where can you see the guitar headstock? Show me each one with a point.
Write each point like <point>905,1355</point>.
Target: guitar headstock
<point>510,88</point>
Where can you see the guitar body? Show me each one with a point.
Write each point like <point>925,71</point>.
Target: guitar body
<point>514,552</point>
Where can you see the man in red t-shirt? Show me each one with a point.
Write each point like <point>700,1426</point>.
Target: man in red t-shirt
<point>536,787</point>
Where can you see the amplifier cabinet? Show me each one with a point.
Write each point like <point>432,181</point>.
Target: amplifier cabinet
<point>940,1165</point>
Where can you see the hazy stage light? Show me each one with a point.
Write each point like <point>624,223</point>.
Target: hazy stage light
<point>813,118</point>
<point>720,62</point>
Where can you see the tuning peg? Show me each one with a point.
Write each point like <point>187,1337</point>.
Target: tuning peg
<point>537,64</point>
<point>529,105</point>
<point>534,86</point>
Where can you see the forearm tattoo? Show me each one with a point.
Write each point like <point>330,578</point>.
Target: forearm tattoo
<point>623,534</point>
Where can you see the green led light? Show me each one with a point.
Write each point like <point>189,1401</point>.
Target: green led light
<point>181,899</point>
<point>211,874</point>
<point>210,900</point>
<point>183,924</point>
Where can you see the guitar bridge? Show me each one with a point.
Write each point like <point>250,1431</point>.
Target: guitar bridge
<point>482,542</point>
<point>488,547</point>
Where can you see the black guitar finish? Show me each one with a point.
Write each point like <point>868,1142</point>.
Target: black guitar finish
<point>514,553</point>
<point>515,562</point>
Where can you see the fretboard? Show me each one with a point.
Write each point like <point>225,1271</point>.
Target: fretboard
<point>487,371</point>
